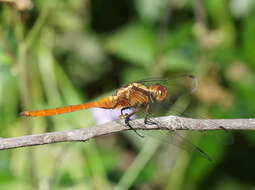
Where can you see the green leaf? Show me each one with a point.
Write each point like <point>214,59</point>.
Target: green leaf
<point>175,60</point>
<point>134,43</point>
<point>151,10</point>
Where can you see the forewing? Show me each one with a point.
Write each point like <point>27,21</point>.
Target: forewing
<point>178,139</point>
<point>178,87</point>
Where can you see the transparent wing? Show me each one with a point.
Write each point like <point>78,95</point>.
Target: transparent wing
<point>173,138</point>
<point>178,87</point>
<point>180,139</point>
<point>183,84</point>
<point>187,145</point>
<point>221,137</point>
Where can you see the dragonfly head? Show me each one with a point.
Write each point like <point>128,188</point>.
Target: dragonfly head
<point>159,92</point>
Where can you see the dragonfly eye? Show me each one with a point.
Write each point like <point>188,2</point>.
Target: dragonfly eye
<point>160,92</point>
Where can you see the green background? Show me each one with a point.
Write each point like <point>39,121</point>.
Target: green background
<point>69,52</point>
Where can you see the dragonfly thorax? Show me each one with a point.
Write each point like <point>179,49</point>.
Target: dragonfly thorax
<point>159,92</point>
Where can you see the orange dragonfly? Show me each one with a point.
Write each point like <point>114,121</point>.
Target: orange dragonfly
<point>137,96</point>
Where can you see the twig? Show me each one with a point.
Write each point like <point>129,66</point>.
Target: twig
<point>166,123</point>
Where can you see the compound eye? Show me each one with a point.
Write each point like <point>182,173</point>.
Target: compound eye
<point>160,92</point>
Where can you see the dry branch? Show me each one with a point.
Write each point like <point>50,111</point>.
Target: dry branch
<point>166,123</point>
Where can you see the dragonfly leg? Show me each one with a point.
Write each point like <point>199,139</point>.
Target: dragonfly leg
<point>223,128</point>
<point>147,120</point>
<point>128,124</point>
<point>126,108</point>
<point>127,120</point>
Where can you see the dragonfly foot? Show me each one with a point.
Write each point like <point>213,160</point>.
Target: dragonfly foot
<point>128,124</point>
<point>148,121</point>
<point>223,128</point>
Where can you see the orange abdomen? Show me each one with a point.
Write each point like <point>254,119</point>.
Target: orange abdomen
<point>108,102</point>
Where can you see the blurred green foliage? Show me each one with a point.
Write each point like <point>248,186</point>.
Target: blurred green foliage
<point>68,52</point>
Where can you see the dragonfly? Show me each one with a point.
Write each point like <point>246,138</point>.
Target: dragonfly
<point>139,96</point>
